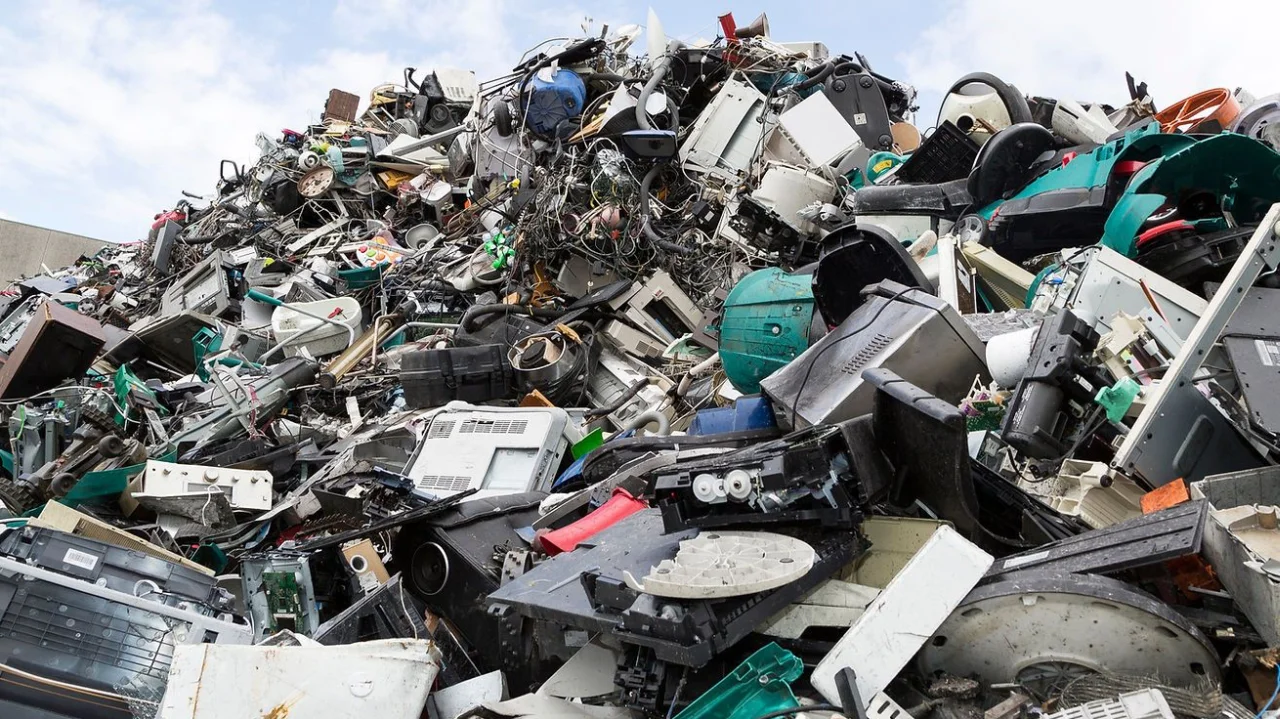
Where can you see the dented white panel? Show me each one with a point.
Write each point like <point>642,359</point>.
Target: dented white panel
<point>388,679</point>
<point>905,615</point>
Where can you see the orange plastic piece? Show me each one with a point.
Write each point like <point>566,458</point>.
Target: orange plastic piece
<point>1192,572</point>
<point>536,399</point>
<point>1171,494</point>
<point>1193,113</point>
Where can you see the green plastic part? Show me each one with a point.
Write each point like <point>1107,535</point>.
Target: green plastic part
<point>261,296</point>
<point>760,685</point>
<point>1093,169</point>
<point>1120,233</point>
<point>588,443</point>
<point>764,326</point>
<point>127,384</point>
<point>362,277</point>
<point>204,343</point>
<point>1117,399</point>
<point>207,342</point>
<point>211,555</point>
<point>1241,172</point>
<point>880,163</point>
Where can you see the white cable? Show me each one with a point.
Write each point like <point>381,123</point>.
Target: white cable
<point>73,687</point>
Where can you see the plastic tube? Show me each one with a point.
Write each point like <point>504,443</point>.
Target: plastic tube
<point>476,311</point>
<point>645,187</point>
<point>650,417</point>
<point>695,372</point>
<point>660,68</point>
<point>821,73</point>
<point>626,397</point>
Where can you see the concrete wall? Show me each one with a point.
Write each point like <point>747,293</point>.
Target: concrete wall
<point>24,248</point>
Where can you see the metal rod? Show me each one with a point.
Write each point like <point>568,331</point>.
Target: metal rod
<point>339,366</point>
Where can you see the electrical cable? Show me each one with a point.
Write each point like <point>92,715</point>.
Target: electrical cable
<point>72,687</point>
<point>675,696</point>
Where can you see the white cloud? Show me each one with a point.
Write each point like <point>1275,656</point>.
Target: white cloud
<point>1081,50</point>
<point>126,106</point>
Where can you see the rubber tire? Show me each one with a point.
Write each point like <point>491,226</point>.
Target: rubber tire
<point>98,419</point>
<point>62,483</point>
<point>111,446</point>
<point>502,119</point>
<point>15,498</point>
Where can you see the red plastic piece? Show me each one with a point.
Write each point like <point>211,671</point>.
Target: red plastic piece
<point>620,506</point>
<point>163,217</point>
<point>1162,230</point>
<point>729,27</point>
<point>1127,167</point>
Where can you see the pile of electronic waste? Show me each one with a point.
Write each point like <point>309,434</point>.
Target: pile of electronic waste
<point>704,382</point>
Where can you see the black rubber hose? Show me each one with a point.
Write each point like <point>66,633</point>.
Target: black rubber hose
<point>645,185</point>
<point>821,73</point>
<point>476,311</point>
<point>438,286</point>
<point>660,69</point>
<point>626,397</point>
<point>847,64</point>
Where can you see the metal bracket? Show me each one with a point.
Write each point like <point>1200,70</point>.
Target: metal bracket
<point>515,564</point>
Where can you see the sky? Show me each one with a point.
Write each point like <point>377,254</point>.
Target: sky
<point>109,110</point>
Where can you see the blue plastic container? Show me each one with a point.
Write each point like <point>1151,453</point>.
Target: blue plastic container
<point>549,104</point>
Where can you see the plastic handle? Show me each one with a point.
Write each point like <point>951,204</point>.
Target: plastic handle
<point>264,297</point>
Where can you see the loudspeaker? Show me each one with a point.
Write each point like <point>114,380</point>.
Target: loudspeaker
<point>758,28</point>
<point>365,565</point>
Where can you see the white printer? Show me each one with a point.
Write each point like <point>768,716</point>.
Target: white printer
<point>496,450</point>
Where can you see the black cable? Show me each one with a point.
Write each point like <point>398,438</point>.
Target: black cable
<point>797,710</point>
<point>808,371</point>
<point>1092,424</point>
<point>632,391</point>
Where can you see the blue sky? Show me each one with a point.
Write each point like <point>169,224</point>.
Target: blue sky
<point>110,109</point>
